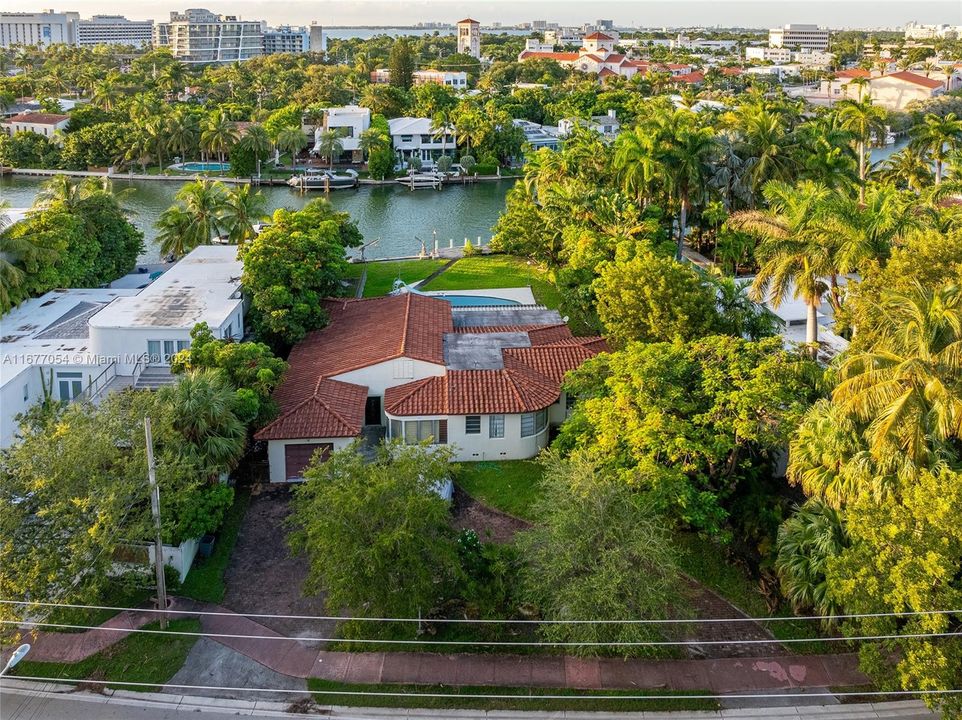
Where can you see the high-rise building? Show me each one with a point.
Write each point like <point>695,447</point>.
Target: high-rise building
<point>287,39</point>
<point>469,37</point>
<point>802,37</point>
<point>539,24</point>
<point>114,30</point>
<point>42,29</point>
<point>200,36</point>
<point>915,31</point>
<point>605,24</point>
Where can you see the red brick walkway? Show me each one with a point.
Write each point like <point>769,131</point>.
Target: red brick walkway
<point>296,658</point>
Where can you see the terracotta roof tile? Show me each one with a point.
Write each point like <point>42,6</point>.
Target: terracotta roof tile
<point>598,36</point>
<point>915,79</point>
<point>553,361</point>
<point>473,392</point>
<point>559,56</point>
<point>333,409</point>
<point>37,118</point>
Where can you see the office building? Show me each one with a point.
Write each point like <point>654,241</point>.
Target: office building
<point>604,25</point>
<point>469,38</point>
<point>287,39</point>
<point>200,36</point>
<point>114,30</point>
<point>42,29</point>
<point>801,37</point>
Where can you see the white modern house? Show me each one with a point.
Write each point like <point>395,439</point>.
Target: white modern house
<point>349,121</point>
<point>83,343</point>
<point>418,137</point>
<point>607,125</point>
<point>485,381</point>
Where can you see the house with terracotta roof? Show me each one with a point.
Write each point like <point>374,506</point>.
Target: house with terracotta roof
<point>46,124</point>
<point>597,55</point>
<point>896,90</point>
<point>486,382</point>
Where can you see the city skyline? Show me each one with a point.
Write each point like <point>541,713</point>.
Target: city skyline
<point>738,13</point>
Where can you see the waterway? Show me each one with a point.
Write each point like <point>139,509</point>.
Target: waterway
<point>397,218</point>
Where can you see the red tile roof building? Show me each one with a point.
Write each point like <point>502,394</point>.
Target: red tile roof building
<point>391,359</point>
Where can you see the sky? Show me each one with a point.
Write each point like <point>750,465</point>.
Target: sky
<point>646,13</point>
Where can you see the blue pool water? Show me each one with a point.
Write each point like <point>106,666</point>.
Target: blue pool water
<point>205,167</point>
<point>476,300</point>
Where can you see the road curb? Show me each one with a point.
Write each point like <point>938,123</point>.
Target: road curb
<point>262,708</point>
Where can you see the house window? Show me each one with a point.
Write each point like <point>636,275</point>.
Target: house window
<point>472,425</point>
<point>416,431</point>
<point>407,138</point>
<point>395,429</point>
<point>496,426</point>
<point>533,423</point>
<point>229,332</point>
<point>26,392</point>
<point>70,384</point>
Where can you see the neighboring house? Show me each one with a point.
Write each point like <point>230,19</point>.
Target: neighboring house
<point>87,342</point>
<point>597,55</point>
<point>457,80</point>
<point>538,136</point>
<point>350,121</point>
<point>46,124</point>
<point>607,125</point>
<point>417,137</point>
<point>897,90</point>
<point>424,372</point>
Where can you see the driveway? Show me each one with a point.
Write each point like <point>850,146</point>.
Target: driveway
<point>263,576</point>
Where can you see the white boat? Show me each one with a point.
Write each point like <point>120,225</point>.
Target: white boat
<point>417,181</point>
<point>324,180</point>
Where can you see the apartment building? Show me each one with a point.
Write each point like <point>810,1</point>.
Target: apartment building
<point>769,54</point>
<point>199,36</point>
<point>287,39</point>
<point>806,37</point>
<point>457,80</point>
<point>114,30</point>
<point>916,31</point>
<point>41,29</point>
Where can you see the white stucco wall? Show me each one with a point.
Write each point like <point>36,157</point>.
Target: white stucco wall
<point>483,447</point>
<point>378,378</point>
<point>897,94</point>
<point>276,454</point>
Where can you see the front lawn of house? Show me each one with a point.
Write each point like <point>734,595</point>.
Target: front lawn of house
<point>381,275</point>
<point>510,486</point>
<point>149,658</point>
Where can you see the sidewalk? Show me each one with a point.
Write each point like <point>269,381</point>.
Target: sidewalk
<point>296,658</point>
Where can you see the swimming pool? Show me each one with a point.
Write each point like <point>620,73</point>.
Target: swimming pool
<point>476,300</point>
<point>203,167</point>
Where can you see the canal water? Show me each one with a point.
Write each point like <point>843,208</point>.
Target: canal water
<point>397,218</point>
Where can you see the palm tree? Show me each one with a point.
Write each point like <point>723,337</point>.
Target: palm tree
<point>638,163</point>
<point>373,140</point>
<point>218,134</point>
<point>181,131</point>
<point>173,227</point>
<point>292,140</point>
<point>909,388</point>
<point>768,147</point>
<point>794,252</point>
<point>330,145</point>
<point>937,137</point>
<point>257,142</point>
<point>202,407</point>
<point>157,131</point>
<point>242,209</point>
<point>687,172</point>
<point>19,254</point>
<point>811,537</point>
<point>202,202</point>
<point>864,121</point>
<point>107,92</point>
<point>907,168</point>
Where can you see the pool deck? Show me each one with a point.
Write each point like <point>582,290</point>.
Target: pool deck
<point>521,295</point>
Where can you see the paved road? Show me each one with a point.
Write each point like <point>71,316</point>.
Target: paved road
<point>18,705</point>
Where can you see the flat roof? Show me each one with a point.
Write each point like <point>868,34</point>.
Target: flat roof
<point>51,329</point>
<point>202,287</point>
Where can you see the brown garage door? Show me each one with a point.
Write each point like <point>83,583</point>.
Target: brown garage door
<point>297,457</point>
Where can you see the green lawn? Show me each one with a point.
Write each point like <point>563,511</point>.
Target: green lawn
<point>205,581</point>
<point>510,485</point>
<point>381,275</point>
<point>139,657</point>
<point>705,562</point>
<point>116,594</point>
<point>480,272</point>
<point>527,698</point>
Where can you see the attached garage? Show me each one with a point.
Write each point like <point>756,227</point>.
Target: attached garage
<point>298,456</point>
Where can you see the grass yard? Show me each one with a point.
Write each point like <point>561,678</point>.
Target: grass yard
<point>381,275</point>
<point>703,560</point>
<point>510,486</point>
<point>527,698</point>
<point>116,594</point>
<point>205,581</point>
<point>139,657</point>
<point>480,272</point>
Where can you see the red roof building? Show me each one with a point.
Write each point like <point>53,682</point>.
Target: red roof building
<point>486,390</point>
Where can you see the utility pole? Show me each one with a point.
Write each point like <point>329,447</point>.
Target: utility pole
<point>158,540</point>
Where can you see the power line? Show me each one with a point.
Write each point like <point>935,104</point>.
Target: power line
<point>492,643</point>
<point>348,618</point>
<point>505,696</point>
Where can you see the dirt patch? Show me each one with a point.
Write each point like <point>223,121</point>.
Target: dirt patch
<point>491,525</point>
<point>708,604</point>
<point>263,576</point>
